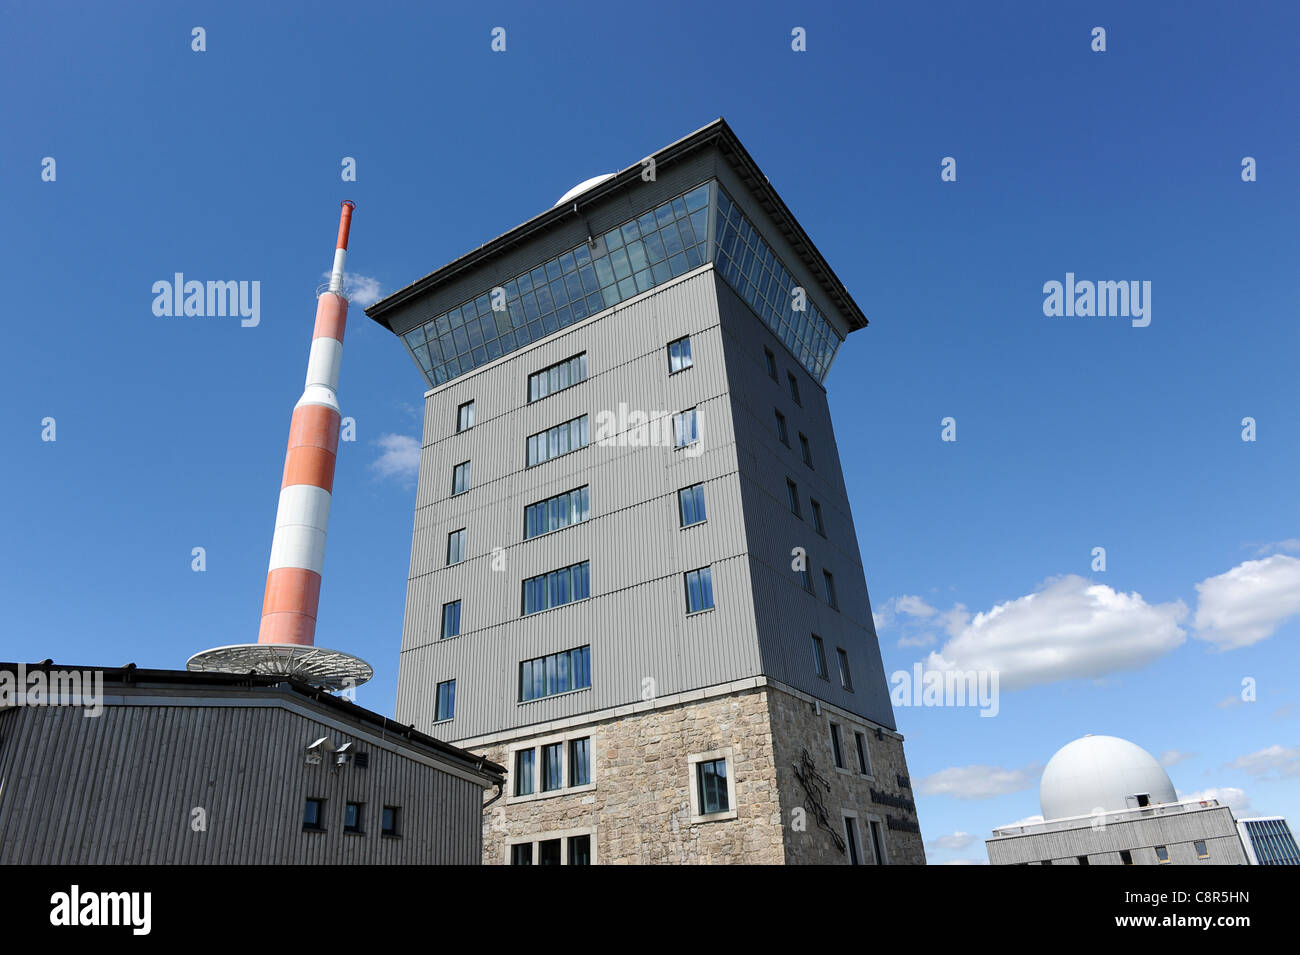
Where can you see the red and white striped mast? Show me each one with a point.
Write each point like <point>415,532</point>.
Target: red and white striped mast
<point>286,639</point>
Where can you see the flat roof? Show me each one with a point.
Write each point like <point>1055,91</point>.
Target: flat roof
<point>133,676</point>
<point>716,133</point>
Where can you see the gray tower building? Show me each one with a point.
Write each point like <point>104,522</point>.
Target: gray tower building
<point>635,580</point>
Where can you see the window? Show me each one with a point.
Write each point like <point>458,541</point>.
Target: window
<point>686,428</point>
<point>679,355</point>
<point>557,441</point>
<point>792,498</point>
<point>557,673</point>
<point>313,815</point>
<point>552,767</point>
<point>352,817</point>
<point>550,852</point>
<point>451,619</point>
<point>864,754</point>
<point>465,417</point>
<point>690,501</point>
<point>829,579</point>
<point>878,843</point>
<point>558,512</point>
<point>837,750</point>
<point>794,388</point>
<point>699,590</point>
<point>557,588</point>
<point>818,526</point>
<point>391,817</point>
<point>819,656</point>
<point>1162,854</point>
<point>525,763</point>
<point>557,377</point>
<point>805,449</point>
<point>580,762</point>
<point>456,546</point>
<point>1082,860</point>
<point>846,678</point>
<point>446,702</point>
<point>769,360</point>
<point>711,776</point>
<point>579,850</point>
<point>805,577</point>
<point>1143,799</point>
<point>1125,857</point>
<point>1202,851</point>
<point>851,840</point>
<point>521,853</point>
<point>781,431</point>
<point>460,479</point>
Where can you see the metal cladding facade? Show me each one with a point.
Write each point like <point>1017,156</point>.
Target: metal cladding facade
<point>181,768</point>
<point>635,621</point>
<point>293,579</point>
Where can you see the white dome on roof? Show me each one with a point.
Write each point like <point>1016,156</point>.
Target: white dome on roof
<point>1101,772</point>
<point>582,187</point>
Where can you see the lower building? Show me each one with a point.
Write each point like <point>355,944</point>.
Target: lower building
<point>1268,841</point>
<point>131,766</point>
<point>1107,801</point>
<point>751,772</point>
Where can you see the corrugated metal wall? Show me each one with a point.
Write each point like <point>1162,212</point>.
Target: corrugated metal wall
<point>120,788</point>
<point>635,621</point>
<point>1178,833</point>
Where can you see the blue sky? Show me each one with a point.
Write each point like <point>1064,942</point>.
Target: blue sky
<point>1072,433</point>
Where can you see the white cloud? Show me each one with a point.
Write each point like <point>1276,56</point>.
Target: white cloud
<point>1291,545</point>
<point>1172,757</point>
<point>1283,760</point>
<point>1249,602</point>
<point>977,782</point>
<point>362,289</point>
<point>1070,628</point>
<point>920,640</point>
<point>1227,796</point>
<point>957,840</point>
<point>913,606</point>
<point>400,457</point>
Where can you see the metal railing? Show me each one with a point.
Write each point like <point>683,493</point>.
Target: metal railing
<point>1107,818</point>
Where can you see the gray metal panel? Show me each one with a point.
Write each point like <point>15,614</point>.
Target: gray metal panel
<point>788,614</point>
<point>635,621</point>
<point>120,788</point>
<point>1176,832</point>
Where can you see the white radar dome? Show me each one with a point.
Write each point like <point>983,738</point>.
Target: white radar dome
<point>1102,772</point>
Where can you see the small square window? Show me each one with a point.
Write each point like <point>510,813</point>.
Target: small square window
<point>352,814</point>
<point>792,498</point>
<point>699,590</point>
<point>1082,860</point>
<point>451,619</point>
<point>781,431</point>
<point>794,389</point>
<point>550,852</point>
<point>1125,857</point>
<point>690,501</point>
<point>446,701</point>
<point>686,428</point>
<point>1202,851</point>
<point>521,853</point>
<point>392,816</point>
<point>465,417</point>
<point>456,542</point>
<point>712,779</point>
<point>313,815</point>
<point>679,355</point>
<point>769,360</point>
<point>579,850</point>
<point>460,478</point>
<point>1162,854</point>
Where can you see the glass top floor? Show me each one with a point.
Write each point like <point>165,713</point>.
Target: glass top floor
<point>641,253</point>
